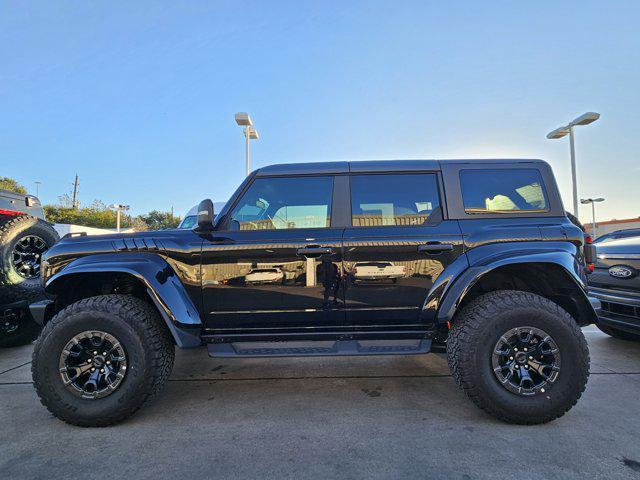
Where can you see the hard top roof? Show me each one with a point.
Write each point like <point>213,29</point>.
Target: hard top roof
<point>375,166</point>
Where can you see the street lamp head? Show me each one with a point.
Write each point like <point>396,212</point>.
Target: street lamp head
<point>558,133</point>
<point>117,206</point>
<point>584,201</point>
<point>253,134</point>
<point>243,119</point>
<point>585,119</point>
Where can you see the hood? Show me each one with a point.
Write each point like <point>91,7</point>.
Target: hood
<point>623,246</point>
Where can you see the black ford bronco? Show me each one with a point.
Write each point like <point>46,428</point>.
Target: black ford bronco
<point>473,258</point>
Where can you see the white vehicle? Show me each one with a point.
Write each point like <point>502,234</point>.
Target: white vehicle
<point>264,275</point>
<point>378,271</point>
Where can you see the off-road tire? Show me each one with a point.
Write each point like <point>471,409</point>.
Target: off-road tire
<point>146,341</point>
<point>27,331</point>
<point>13,286</point>
<point>619,334</point>
<point>474,334</point>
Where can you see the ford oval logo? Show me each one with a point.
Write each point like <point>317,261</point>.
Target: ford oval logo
<point>622,271</point>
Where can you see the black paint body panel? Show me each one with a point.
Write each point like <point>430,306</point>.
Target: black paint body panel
<point>223,282</point>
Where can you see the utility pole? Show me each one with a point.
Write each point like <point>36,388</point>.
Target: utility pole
<point>75,193</point>
<point>37,188</point>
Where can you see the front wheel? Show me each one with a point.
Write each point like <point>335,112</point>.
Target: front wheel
<point>518,356</point>
<point>100,359</point>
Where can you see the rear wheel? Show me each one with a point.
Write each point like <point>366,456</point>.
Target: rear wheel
<point>518,356</point>
<point>23,240</point>
<point>100,359</point>
<point>17,327</point>
<point>621,334</point>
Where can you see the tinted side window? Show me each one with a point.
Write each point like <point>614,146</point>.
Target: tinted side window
<point>393,199</point>
<point>285,203</point>
<point>503,191</point>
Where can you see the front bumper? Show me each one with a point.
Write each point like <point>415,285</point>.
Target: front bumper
<point>618,309</point>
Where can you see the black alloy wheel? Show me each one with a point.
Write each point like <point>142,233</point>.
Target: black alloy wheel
<point>93,364</point>
<point>526,360</point>
<point>26,256</point>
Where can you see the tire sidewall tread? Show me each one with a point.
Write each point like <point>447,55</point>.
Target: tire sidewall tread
<point>472,338</point>
<point>147,343</point>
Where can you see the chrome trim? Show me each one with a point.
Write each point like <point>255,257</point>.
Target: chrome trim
<point>613,298</point>
<point>307,310</point>
<point>619,256</point>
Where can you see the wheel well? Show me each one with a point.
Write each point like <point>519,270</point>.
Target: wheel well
<point>76,286</point>
<point>548,280</point>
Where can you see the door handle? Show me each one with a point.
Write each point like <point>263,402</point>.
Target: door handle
<point>435,247</point>
<point>317,251</point>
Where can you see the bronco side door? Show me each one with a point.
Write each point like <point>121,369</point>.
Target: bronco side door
<point>274,263</point>
<point>399,242</point>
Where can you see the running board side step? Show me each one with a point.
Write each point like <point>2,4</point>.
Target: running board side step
<point>319,348</point>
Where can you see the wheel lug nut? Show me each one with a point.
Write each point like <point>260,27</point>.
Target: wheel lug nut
<point>510,358</point>
<point>102,370</point>
<point>89,361</point>
<point>108,362</point>
<point>515,349</point>
<point>104,353</point>
<point>95,352</point>
<point>525,349</point>
<point>527,367</point>
<point>517,366</point>
<point>530,357</point>
<point>93,369</point>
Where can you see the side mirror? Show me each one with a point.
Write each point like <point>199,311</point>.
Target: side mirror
<point>205,215</point>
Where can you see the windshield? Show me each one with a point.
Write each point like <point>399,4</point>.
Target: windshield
<point>188,222</point>
<point>607,237</point>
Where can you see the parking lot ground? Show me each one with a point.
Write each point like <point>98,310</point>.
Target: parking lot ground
<point>333,417</point>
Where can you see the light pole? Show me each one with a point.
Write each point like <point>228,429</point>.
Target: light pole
<point>250,133</point>
<point>37,188</point>
<point>584,119</point>
<point>593,202</point>
<point>119,208</point>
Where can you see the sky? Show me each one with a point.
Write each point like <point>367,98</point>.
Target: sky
<point>138,98</point>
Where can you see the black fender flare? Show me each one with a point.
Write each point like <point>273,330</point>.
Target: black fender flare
<point>162,284</point>
<point>560,255</point>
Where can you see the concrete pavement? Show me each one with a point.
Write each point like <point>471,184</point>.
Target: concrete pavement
<point>342,417</point>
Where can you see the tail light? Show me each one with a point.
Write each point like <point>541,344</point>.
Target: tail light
<point>590,257</point>
<point>12,213</point>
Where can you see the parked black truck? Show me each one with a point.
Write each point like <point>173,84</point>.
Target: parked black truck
<point>616,283</point>
<point>24,237</point>
<point>481,260</point>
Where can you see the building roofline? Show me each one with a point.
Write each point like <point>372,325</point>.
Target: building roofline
<point>614,221</point>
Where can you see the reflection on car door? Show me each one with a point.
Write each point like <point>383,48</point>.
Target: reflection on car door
<point>397,246</point>
<point>279,264</point>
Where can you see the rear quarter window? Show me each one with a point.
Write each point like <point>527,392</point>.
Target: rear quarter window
<point>507,191</point>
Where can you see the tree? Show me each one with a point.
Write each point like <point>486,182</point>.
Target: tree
<point>96,215</point>
<point>156,220</point>
<point>12,185</point>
